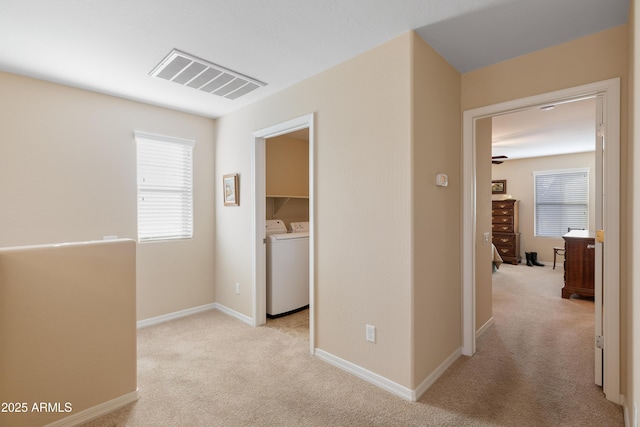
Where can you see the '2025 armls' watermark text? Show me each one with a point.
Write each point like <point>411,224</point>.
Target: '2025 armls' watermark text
<point>24,407</point>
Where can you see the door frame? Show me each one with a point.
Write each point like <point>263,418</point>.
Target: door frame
<point>259,268</point>
<point>610,91</point>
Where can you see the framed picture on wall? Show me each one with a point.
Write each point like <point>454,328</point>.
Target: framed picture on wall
<point>230,189</point>
<point>499,186</point>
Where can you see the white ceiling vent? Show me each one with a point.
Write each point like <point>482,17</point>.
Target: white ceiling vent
<point>188,70</point>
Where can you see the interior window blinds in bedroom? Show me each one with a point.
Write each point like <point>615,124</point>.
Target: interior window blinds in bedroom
<point>561,201</point>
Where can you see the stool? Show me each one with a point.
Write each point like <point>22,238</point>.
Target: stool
<point>557,251</point>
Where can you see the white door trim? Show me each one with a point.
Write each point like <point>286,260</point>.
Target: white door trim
<point>610,89</point>
<point>259,217</point>
<point>599,225</point>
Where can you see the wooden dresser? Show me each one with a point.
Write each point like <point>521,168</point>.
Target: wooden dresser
<point>504,226</point>
<point>579,262</point>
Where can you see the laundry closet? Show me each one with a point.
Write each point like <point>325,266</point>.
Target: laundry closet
<point>287,223</point>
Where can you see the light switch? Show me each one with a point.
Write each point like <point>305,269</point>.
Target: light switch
<point>442,180</point>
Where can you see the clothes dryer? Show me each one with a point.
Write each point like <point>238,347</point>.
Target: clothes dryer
<point>287,269</point>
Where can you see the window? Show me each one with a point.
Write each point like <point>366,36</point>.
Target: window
<point>561,201</point>
<point>165,187</point>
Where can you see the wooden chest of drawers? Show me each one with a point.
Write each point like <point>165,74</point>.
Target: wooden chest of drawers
<point>504,226</point>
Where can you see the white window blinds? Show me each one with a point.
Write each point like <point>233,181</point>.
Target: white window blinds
<point>561,201</point>
<point>165,187</point>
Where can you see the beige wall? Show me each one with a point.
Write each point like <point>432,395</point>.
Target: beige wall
<point>519,176</point>
<point>484,254</point>
<point>287,174</point>
<point>372,150</point>
<point>68,173</point>
<point>67,329</point>
<point>362,160</point>
<point>287,161</point>
<point>436,148</point>
<point>589,59</point>
<point>593,58</point>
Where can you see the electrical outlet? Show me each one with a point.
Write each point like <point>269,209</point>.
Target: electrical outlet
<point>238,288</point>
<point>371,333</point>
<point>487,238</point>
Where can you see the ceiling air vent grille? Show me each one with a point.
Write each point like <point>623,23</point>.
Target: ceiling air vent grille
<point>188,70</point>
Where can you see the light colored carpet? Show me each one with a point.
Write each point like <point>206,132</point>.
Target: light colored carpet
<point>533,367</point>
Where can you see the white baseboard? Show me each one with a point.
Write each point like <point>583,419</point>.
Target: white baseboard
<point>433,377</point>
<point>96,411</point>
<point>484,328</point>
<point>372,377</point>
<point>183,313</point>
<point>384,383</point>
<point>175,315</point>
<point>226,310</point>
<point>627,412</point>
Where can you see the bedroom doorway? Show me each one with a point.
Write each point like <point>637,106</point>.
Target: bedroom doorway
<point>546,145</point>
<point>609,92</point>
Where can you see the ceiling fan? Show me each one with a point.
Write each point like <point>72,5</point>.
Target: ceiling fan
<point>495,161</point>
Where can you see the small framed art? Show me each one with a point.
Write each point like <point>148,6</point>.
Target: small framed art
<point>230,190</point>
<point>499,186</point>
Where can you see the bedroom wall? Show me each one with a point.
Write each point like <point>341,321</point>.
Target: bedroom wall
<point>519,176</point>
<point>68,173</point>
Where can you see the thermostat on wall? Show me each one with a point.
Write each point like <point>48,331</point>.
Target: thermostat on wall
<point>442,180</point>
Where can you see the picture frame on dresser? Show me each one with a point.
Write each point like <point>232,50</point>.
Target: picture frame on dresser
<point>499,186</point>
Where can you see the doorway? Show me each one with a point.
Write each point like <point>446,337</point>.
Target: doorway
<point>609,91</point>
<point>287,182</point>
<point>260,214</point>
<point>547,152</point>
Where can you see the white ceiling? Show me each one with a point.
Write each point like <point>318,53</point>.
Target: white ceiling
<point>567,128</point>
<point>111,46</point>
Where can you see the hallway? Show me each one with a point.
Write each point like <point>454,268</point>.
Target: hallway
<point>534,365</point>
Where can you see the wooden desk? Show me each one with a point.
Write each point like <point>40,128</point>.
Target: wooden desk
<point>579,261</point>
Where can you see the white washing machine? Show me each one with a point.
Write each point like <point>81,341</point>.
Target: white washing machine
<point>287,267</point>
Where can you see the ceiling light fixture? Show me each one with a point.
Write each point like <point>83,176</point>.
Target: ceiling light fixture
<point>188,70</point>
